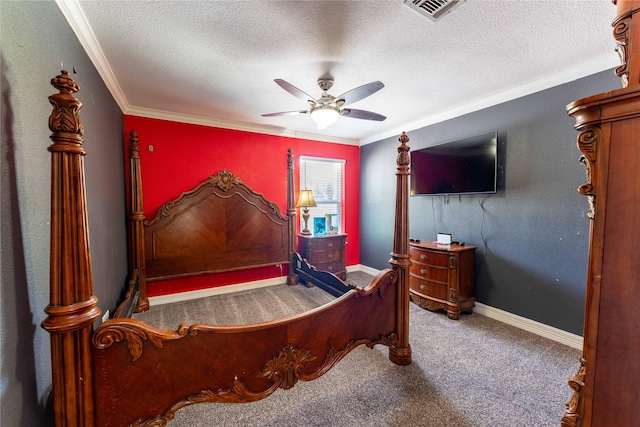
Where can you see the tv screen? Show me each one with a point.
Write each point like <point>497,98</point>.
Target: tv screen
<point>466,166</point>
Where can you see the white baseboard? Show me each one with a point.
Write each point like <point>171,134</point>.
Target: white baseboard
<point>363,268</point>
<point>546,331</point>
<point>202,293</point>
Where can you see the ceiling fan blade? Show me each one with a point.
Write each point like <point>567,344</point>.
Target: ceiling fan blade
<point>360,92</point>
<point>295,91</point>
<point>362,114</point>
<point>286,113</point>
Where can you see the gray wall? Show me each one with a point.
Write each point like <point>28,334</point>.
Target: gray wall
<point>532,235</point>
<point>36,39</point>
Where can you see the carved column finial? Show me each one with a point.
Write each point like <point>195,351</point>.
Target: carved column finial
<point>73,307</point>
<point>403,154</point>
<point>65,119</point>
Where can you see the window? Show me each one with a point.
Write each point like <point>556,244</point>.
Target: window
<point>325,178</point>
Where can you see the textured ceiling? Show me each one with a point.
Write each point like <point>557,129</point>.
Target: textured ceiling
<point>214,62</point>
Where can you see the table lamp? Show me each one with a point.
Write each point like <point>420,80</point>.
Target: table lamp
<point>305,202</point>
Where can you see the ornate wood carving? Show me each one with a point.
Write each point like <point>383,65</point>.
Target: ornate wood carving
<point>576,382</point>
<point>225,181</point>
<point>627,37</point>
<point>428,303</point>
<point>621,34</point>
<point>380,283</point>
<point>587,143</point>
<point>286,367</point>
<point>333,357</point>
<point>72,309</point>
<point>134,333</point>
<point>453,295</point>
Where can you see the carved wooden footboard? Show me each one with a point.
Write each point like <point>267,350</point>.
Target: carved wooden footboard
<point>202,363</point>
<point>129,373</point>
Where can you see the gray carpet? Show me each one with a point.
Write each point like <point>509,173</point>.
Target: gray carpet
<point>472,372</point>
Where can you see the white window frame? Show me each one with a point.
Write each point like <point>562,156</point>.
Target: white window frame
<point>325,200</point>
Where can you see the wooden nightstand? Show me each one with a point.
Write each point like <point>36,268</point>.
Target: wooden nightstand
<point>442,277</point>
<point>325,253</point>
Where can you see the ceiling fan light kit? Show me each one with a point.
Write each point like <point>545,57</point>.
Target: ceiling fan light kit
<point>325,110</point>
<point>324,116</point>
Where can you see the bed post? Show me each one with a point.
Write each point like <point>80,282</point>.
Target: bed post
<point>136,225</point>
<point>73,307</point>
<point>400,353</point>
<point>292,213</point>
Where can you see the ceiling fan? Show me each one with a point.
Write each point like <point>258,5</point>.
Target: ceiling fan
<point>325,110</point>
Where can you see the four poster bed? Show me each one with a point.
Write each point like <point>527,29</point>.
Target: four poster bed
<point>126,372</point>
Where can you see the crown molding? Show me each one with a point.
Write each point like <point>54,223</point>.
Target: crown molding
<point>78,22</point>
<point>246,127</point>
<point>595,66</point>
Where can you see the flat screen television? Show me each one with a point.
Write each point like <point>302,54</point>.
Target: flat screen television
<point>465,166</point>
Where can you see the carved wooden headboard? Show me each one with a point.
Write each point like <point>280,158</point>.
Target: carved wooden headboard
<point>220,225</point>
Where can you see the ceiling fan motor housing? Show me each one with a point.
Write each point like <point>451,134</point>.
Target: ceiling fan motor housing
<point>325,83</point>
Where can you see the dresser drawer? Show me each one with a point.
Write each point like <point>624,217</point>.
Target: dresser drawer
<point>319,256</point>
<point>428,288</point>
<point>429,272</point>
<point>335,267</point>
<point>326,244</point>
<point>430,258</point>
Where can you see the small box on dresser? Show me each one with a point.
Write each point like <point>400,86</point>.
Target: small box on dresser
<point>325,253</point>
<point>442,277</point>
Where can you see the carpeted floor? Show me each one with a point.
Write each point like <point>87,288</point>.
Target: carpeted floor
<point>472,372</point>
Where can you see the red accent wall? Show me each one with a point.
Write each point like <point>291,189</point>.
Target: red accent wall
<point>186,154</point>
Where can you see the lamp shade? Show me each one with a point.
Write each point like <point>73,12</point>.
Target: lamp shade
<point>324,116</point>
<point>306,200</point>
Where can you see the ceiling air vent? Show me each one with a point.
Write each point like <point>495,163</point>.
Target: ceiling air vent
<point>433,9</point>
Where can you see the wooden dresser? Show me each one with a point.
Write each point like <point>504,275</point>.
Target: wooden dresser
<point>325,253</point>
<point>442,277</point>
<point>607,383</point>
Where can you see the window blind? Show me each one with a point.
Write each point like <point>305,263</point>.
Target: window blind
<point>325,178</point>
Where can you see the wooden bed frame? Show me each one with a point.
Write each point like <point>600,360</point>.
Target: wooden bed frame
<point>221,225</point>
<point>127,372</point>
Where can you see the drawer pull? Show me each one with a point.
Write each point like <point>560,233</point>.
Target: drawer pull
<point>423,256</point>
<point>330,256</point>
<point>330,268</point>
<point>423,271</point>
<point>423,287</point>
<point>330,245</point>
